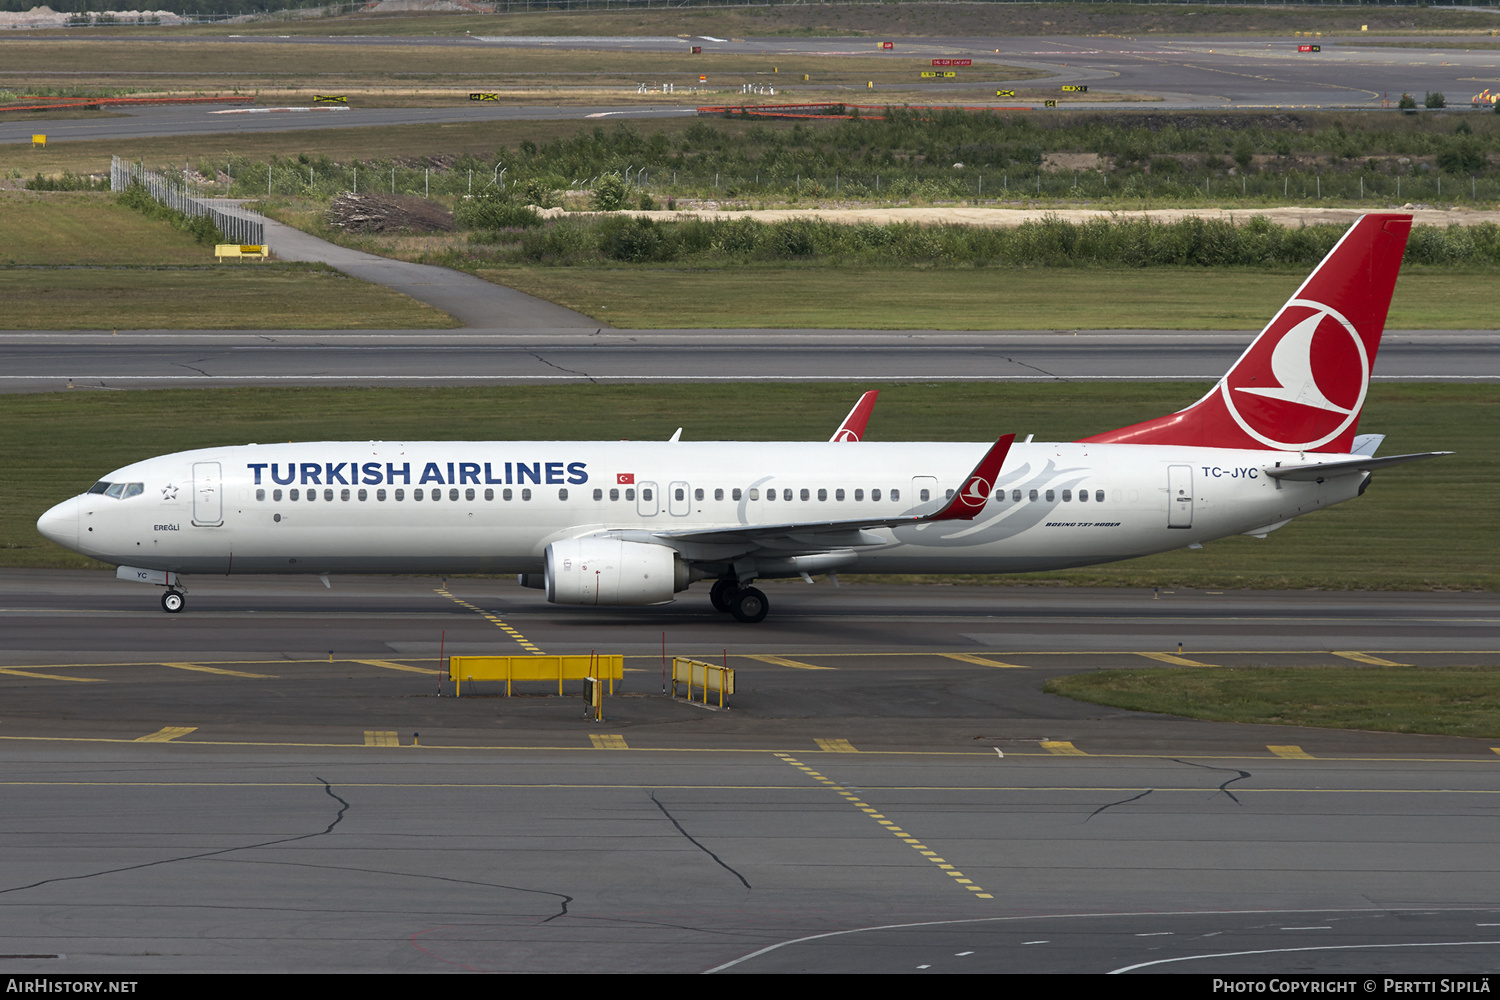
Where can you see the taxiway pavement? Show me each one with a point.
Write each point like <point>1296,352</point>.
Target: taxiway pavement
<point>39,361</point>
<point>270,781</point>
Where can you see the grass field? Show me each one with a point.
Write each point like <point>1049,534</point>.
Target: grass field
<point>1402,534</point>
<point>237,296</point>
<point>83,261</point>
<point>73,228</point>
<point>974,299</point>
<point>1452,701</point>
<point>410,143</point>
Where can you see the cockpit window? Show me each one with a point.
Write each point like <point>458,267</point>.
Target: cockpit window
<point>119,490</point>
<point>135,489</point>
<point>115,490</point>
<point>99,487</point>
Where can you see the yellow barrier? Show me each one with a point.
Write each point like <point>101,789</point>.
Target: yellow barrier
<point>705,676</point>
<point>38,139</point>
<point>222,250</point>
<point>535,668</point>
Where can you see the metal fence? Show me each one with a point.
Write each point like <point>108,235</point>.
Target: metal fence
<point>177,194</point>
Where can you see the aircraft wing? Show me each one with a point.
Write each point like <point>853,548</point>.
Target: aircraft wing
<point>853,427</point>
<point>964,505</point>
<point>1319,471</point>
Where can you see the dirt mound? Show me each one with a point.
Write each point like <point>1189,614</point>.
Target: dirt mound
<point>386,213</point>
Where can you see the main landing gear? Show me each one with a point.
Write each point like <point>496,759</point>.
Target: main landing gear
<point>172,601</point>
<point>746,604</point>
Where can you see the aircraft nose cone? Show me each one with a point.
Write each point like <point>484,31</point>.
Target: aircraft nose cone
<point>60,524</point>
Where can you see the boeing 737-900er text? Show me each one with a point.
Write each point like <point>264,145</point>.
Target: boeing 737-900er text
<point>636,522</point>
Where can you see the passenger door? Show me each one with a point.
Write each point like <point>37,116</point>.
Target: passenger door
<point>1179,496</point>
<point>208,494</point>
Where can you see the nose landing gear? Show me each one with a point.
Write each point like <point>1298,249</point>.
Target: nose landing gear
<point>172,601</point>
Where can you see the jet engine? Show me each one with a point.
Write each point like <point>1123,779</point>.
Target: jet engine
<point>613,571</point>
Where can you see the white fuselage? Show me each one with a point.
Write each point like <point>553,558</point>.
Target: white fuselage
<point>493,507</point>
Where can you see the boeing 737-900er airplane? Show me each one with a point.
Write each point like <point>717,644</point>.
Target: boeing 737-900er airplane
<point>636,522</point>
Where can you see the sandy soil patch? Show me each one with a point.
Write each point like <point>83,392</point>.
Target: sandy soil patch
<point>979,216</point>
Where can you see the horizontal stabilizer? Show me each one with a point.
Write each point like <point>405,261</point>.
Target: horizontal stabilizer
<point>1319,471</point>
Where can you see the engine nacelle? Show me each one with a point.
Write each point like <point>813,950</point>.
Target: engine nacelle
<point>605,571</point>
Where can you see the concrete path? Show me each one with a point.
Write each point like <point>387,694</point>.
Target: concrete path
<point>474,302</point>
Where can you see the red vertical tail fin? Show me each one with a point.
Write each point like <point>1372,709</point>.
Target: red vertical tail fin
<point>1300,385</point>
<point>853,427</point>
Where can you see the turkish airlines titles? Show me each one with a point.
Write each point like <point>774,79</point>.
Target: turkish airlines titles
<point>441,473</point>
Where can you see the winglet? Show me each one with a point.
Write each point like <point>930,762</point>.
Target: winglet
<point>970,500</point>
<point>853,427</point>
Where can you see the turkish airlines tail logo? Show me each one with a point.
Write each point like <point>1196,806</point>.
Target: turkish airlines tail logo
<point>1300,385</point>
<point>1302,382</point>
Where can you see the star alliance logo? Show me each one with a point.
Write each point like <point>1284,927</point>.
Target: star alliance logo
<point>169,492</point>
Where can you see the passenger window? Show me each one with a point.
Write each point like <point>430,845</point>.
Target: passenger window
<point>469,493</point>
<point>614,494</point>
<point>562,494</point>
<point>838,495</point>
<point>1033,496</point>
<point>417,494</point>
<point>822,494</point>
<point>1015,496</point>
<point>804,494</point>
<point>1098,496</point>
<point>754,494</point>
<point>598,494</point>
<point>1000,495</point>
<point>489,494</point>
<point>859,494</point>
<point>400,494</point>
<point>679,494</point>
<point>874,494</point>
<point>453,494</point>
<point>343,495</point>
<point>787,495</point>
<point>1051,495</point>
<point>505,494</point>
<point>630,494</point>
<point>925,495</point>
<point>1083,496</point>
<point>736,493</point>
<point>896,495</point>
<point>646,495</point>
<point>294,494</point>
<point>260,494</point>
<point>438,494</point>
<point>380,495</point>
<point>770,494</point>
<point>1067,496</point>
<point>698,494</point>
<point>526,493</point>
<point>364,495</point>
<point>275,494</point>
<point>718,494</point>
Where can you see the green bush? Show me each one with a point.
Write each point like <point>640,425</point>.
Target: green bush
<point>1435,99</point>
<point>200,227</point>
<point>69,181</point>
<point>1462,158</point>
<point>490,209</point>
<point>609,193</point>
